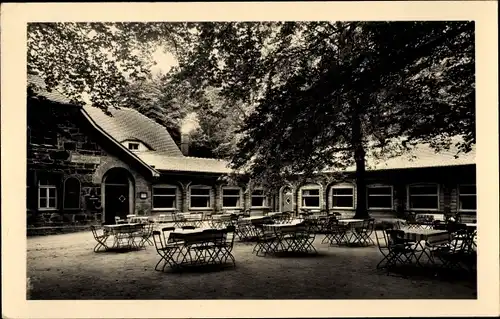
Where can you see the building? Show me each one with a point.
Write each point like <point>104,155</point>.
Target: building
<point>87,166</point>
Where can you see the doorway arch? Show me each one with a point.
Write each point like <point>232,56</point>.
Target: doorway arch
<point>118,194</point>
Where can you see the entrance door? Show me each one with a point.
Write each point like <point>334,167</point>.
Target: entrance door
<point>287,199</point>
<point>118,187</point>
<point>117,202</point>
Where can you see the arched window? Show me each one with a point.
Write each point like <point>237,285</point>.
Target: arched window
<point>72,193</point>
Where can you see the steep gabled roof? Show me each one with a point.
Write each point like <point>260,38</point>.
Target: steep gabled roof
<point>128,124</point>
<point>57,97</point>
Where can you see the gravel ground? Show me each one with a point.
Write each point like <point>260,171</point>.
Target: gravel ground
<point>65,267</point>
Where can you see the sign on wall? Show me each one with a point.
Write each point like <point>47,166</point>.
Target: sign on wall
<point>85,159</point>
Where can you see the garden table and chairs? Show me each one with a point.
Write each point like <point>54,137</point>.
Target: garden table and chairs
<point>194,247</point>
<point>350,232</point>
<point>293,237</point>
<point>438,248</point>
<point>125,236</point>
<point>247,227</point>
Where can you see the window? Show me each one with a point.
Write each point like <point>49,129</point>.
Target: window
<point>133,146</point>
<point>343,196</point>
<point>41,135</point>
<point>310,197</point>
<point>200,197</point>
<point>164,197</point>
<point>47,195</point>
<point>259,198</point>
<point>467,198</point>
<point>379,197</point>
<point>423,197</point>
<point>72,193</point>
<point>231,197</point>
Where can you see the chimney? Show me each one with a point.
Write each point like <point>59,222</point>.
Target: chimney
<point>185,144</point>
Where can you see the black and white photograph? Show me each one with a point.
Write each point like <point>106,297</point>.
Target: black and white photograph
<point>240,159</point>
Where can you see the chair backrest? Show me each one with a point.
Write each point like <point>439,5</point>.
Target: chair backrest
<point>170,228</point>
<point>157,239</point>
<point>188,227</point>
<point>94,231</point>
<point>117,219</point>
<point>382,241</point>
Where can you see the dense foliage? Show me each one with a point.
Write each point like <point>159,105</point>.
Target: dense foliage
<point>282,98</point>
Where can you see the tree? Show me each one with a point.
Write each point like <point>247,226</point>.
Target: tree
<point>325,93</point>
<point>314,95</point>
<point>96,62</point>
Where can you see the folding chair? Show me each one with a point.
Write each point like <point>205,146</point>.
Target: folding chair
<point>165,251</point>
<point>392,247</point>
<point>165,230</point>
<point>266,241</point>
<point>227,245</point>
<point>130,217</point>
<point>303,239</point>
<point>456,254</point>
<point>100,238</point>
<point>363,233</point>
<point>145,235</point>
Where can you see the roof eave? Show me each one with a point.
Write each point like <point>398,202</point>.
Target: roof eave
<point>153,171</point>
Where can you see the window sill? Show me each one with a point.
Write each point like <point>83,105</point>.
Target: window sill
<point>381,208</point>
<point>345,208</point>
<point>47,209</point>
<point>200,208</point>
<point>163,209</point>
<point>259,207</point>
<point>232,208</point>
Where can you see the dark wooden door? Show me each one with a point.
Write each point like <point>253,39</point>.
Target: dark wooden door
<point>117,202</point>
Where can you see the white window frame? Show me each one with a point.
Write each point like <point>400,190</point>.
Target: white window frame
<point>164,186</point>
<point>380,195</point>
<point>458,198</point>
<point>239,197</point>
<point>408,203</point>
<point>336,186</point>
<point>137,144</point>
<point>64,193</point>
<point>47,197</point>
<point>210,202</point>
<point>264,195</point>
<point>310,187</point>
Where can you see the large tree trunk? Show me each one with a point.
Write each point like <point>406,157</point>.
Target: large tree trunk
<point>359,157</point>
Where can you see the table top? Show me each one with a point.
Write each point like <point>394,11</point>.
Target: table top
<point>281,225</point>
<point>424,231</point>
<point>122,225</point>
<point>254,217</point>
<point>351,220</point>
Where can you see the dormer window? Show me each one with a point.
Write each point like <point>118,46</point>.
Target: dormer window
<point>136,145</point>
<point>133,146</point>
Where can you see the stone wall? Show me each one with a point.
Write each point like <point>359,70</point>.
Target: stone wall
<point>77,152</point>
